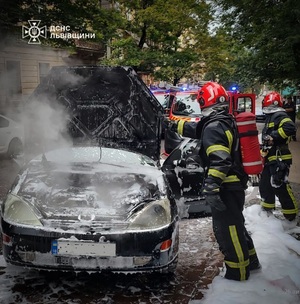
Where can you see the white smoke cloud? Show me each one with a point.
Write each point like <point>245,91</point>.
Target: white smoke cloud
<point>45,126</point>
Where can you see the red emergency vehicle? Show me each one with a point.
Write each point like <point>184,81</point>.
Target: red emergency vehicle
<point>184,106</point>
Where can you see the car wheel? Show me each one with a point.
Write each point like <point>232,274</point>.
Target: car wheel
<point>15,148</point>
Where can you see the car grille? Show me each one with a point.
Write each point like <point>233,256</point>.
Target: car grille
<point>92,227</point>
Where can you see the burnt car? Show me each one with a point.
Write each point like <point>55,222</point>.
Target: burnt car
<point>100,202</point>
<point>90,209</point>
<point>185,172</point>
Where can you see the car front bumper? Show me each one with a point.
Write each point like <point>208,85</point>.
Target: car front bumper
<point>134,252</point>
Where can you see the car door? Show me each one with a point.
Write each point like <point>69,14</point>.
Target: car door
<point>184,171</point>
<point>241,102</point>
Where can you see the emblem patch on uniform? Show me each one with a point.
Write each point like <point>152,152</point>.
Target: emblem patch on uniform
<point>222,99</point>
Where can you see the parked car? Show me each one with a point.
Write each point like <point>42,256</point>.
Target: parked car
<point>91,209</point>
<point>162,97</point>
<point>183,167</point>
<point>11,137</point>
<point>102,204</point>
<point>106,202</point>
<point>185,107</point>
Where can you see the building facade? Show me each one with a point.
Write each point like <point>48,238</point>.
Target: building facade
<point>22,66</point>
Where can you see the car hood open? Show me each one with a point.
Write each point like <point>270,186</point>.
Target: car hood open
<point>106,106</point>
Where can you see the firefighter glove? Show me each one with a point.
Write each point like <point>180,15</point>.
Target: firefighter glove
<point>215,201</point>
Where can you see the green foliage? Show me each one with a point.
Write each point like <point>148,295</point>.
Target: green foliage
<point>125,51</point>
<point>252,42</point>
<point>176,65</point>
<point>163,36</point>
<point>270,33</point>
<point>82,16</point>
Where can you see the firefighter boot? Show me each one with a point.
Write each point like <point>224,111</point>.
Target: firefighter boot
<point>254,264</point>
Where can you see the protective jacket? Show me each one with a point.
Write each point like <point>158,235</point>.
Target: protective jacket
<point>225,177</point>
<point>280,127</point>
<point>220,150</point>
<point>274,178</point>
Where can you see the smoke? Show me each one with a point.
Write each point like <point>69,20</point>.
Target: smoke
<point>46,126</point>
<point>10,93</point>
<point>48,113</point>
<point>44,121</point>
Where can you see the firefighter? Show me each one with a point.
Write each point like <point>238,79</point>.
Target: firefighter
<point>277,133</point>
<point>225,180</point>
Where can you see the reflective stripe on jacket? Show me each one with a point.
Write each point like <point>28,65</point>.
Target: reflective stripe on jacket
<point>280,126</point>
<point>217,141</point>
<point>217,146</point>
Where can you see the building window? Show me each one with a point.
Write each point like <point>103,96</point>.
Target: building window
<point>43,70</point>
<point>13,70</point>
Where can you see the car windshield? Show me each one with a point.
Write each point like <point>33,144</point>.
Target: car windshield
<point>162,99</point>
<point>85,155</point>
<point>186,104</point>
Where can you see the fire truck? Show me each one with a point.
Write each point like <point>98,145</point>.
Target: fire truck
<point>183,105</point>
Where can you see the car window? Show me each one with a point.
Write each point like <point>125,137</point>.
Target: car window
<point>4,123</point>
<point>244,104</point>
<point>163,99</point>
<point>186,104</point>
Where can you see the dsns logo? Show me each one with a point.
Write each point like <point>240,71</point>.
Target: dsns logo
<point>33,32</point>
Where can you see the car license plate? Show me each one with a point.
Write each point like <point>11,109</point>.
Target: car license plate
<point>77,248</point>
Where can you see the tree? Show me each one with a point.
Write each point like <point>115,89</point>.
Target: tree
<point>269,32</point>
<point>81,16</point>
<point>229,63</point>
<point>159,36</point>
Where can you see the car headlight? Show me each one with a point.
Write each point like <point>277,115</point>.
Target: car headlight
<point>155,215</point>
<point>18,211</point>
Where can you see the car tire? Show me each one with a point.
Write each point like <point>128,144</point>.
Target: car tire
<point>15,148</point>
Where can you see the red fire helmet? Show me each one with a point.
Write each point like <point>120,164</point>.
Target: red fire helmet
<point>272,99</point>
<point>212,94</point>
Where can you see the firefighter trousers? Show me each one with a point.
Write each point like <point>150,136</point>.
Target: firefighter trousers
<point>284,193</point>
<point>234,240</point>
